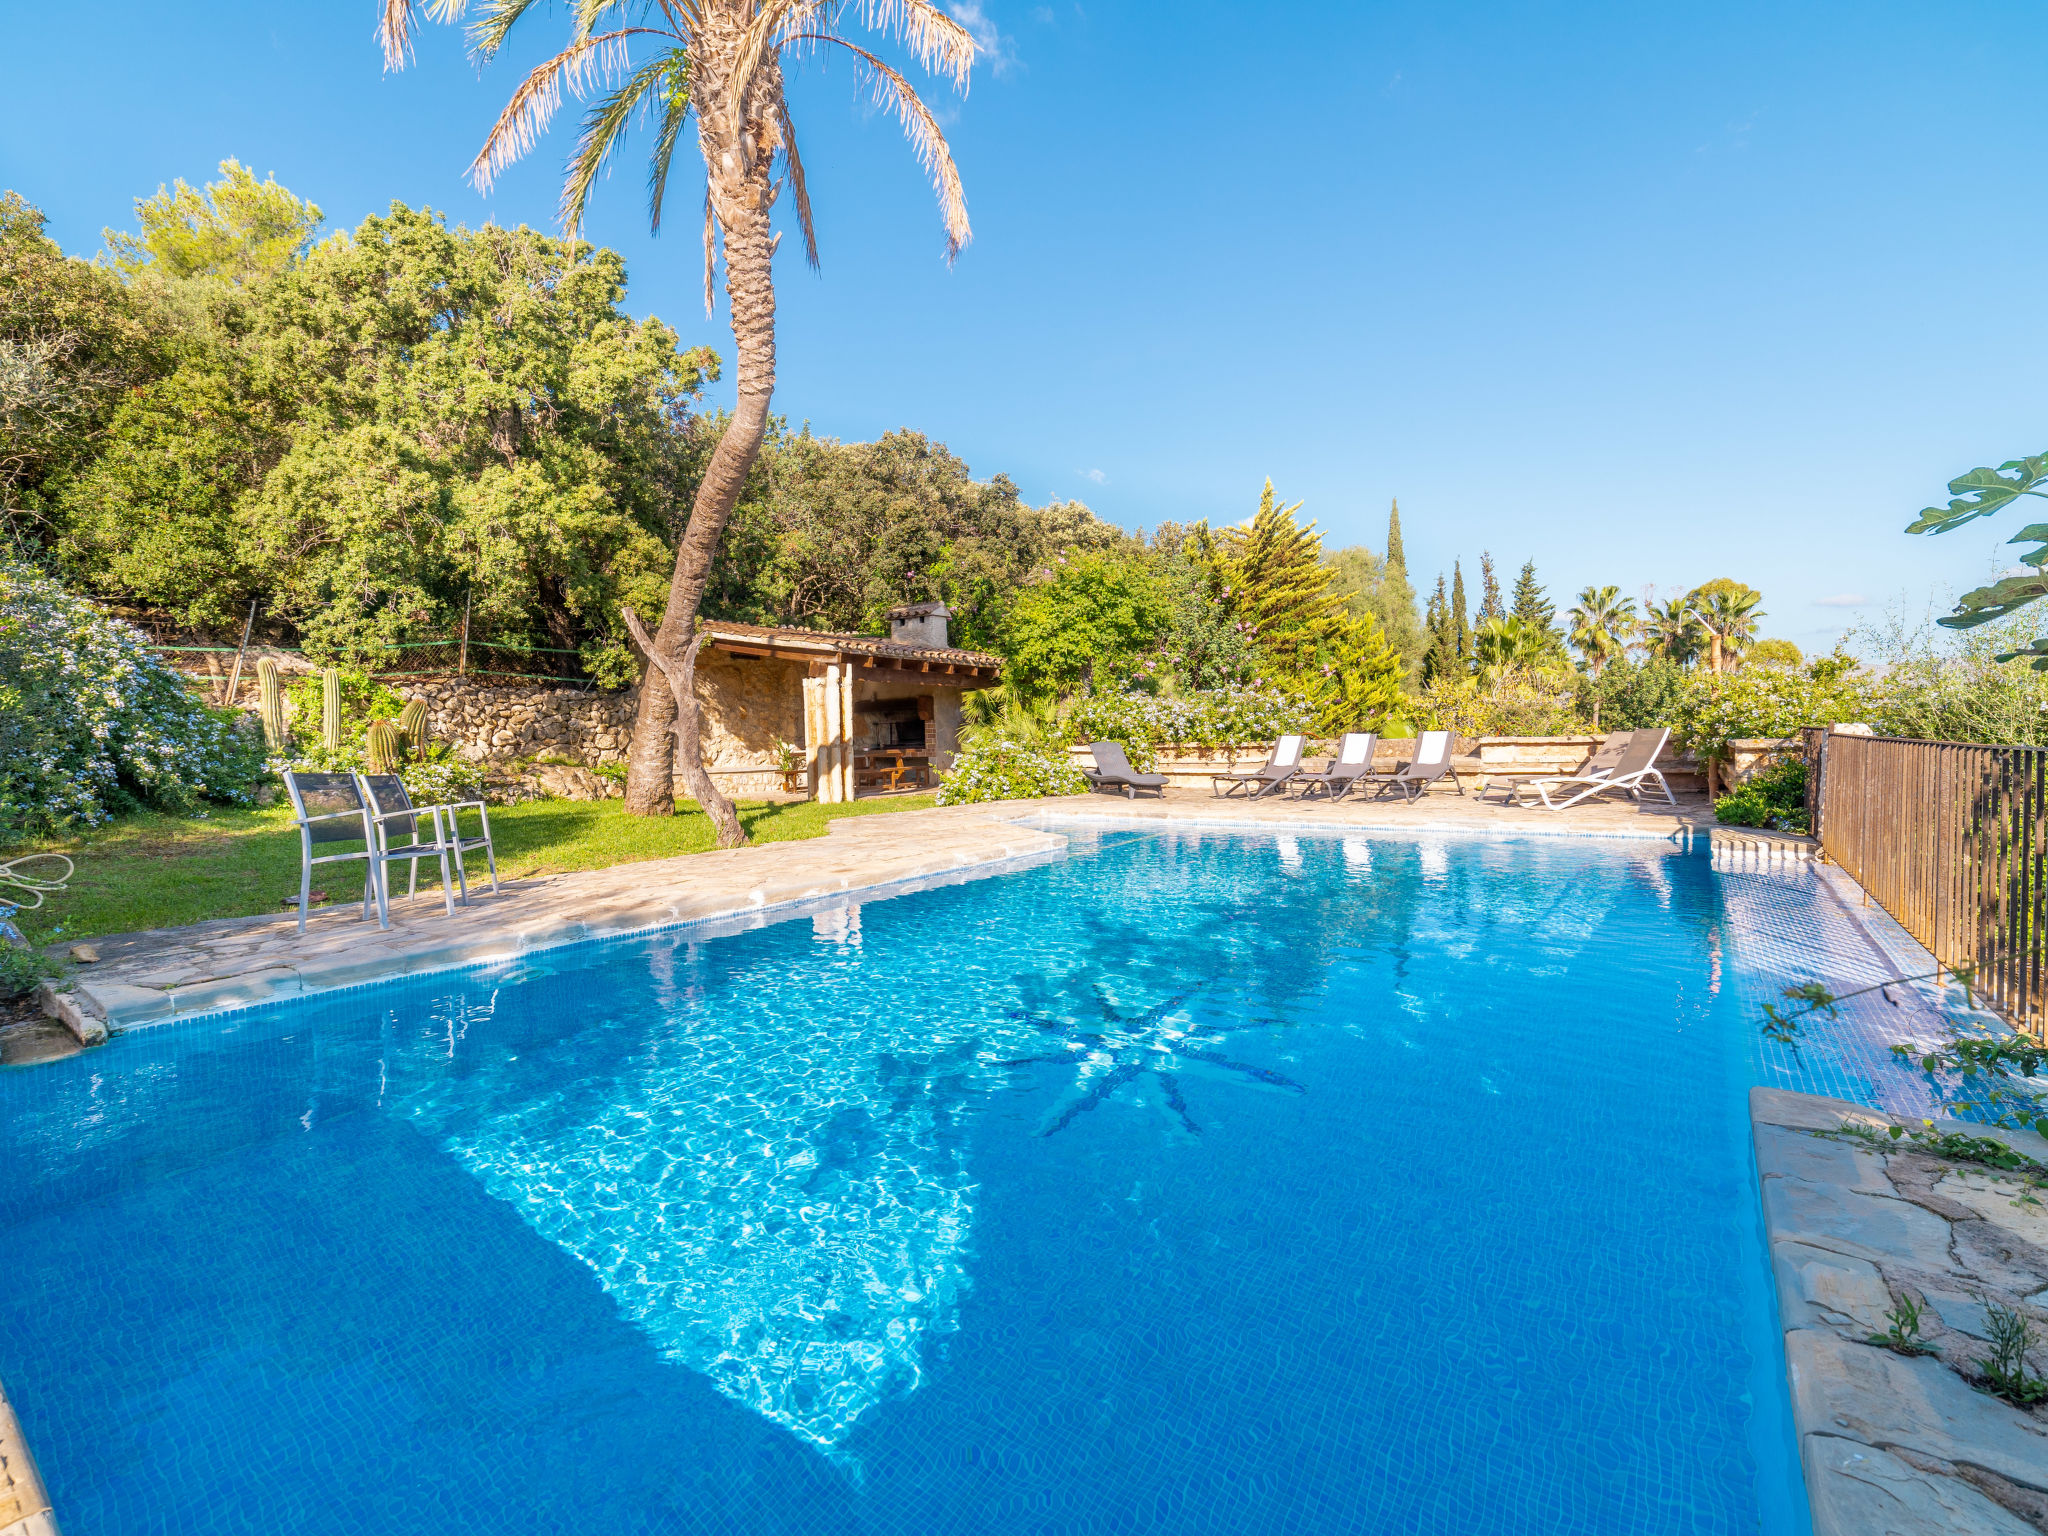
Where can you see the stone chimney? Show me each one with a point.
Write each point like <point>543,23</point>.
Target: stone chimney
<point>920,624</point>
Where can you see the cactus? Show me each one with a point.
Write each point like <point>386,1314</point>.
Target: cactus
<point>330,709</point>
<point>412,724</point>
<point>271,694</point>
<point>383,747</point>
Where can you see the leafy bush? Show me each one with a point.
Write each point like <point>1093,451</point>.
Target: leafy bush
<point>91,722</point>
<point>996,768</point>
<point>1942,686</point>
<point>1631,697</point>
<point>1773,796</point>
<point>1512,701</point>
<point>1764,702</point>
<point>363,699</point>
<point>22,969</point>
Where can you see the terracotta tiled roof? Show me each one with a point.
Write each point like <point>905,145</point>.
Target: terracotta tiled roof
<point>822,642</point>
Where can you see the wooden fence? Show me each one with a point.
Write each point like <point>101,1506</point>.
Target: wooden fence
<point>1952,840</point>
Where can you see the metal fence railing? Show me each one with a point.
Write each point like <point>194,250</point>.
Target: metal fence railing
<point>1952,840</point>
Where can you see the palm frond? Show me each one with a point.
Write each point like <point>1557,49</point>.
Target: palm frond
<point>675,112</point>
<point>797,189</point>
<point>527,114</point>
<point>926,141</point>
<point>395,26</point>
<point>488,32</point>
<point>939,43</point>
<point>603,127</point>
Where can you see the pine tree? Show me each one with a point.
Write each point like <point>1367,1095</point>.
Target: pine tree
<point>1530,603</point>
<point>1306,633</point>
<point>1489,588</point>
<point>1461,626</point>
<point>1397,559</point>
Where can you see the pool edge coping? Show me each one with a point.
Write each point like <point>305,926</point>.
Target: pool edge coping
<point>24,1501</point>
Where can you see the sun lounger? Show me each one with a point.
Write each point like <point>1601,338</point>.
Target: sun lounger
<point>1277,770</point>
<point>1352,763</point>
<point>1598,764</point>
<point>1432,762</point>
<point>1113,771</point>
<point>1636,768</point>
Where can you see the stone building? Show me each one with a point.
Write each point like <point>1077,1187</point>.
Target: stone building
<point>860,712</point>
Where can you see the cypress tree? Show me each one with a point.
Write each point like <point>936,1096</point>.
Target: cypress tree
<point>1441,656</point>
<point>1461,626</point>
<point>1530,603</point>
<point>1489,589</point>
<point>1397,559</point>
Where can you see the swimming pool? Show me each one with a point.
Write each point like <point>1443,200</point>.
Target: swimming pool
<point>1199,1182</point>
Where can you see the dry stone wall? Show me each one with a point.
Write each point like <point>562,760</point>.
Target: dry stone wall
<point>748,707</point>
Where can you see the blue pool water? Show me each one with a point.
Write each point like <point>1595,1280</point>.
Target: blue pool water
<point>1195,1183</point>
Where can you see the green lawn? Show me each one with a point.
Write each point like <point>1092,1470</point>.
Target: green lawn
<point>154,871</point>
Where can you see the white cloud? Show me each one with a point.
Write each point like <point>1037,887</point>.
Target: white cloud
<point>989,41</point>
<point>1096,475</point>
<point>1842,600</point>
<point>1042,14</point>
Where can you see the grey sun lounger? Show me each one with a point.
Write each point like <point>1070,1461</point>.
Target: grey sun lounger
<point>1352,763</point>
<point>1637,767</point>
<point>1277,770</point>
<point>1432,762</point>
<point>1113,771</point>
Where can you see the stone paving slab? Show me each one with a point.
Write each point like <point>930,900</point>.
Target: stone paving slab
<point>24,1505</point>
<point>147,977</point>
<point>1900,1444</point>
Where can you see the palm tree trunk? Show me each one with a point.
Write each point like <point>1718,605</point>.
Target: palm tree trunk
<point>750,289</point>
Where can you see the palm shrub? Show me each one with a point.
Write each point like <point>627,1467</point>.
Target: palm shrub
<point>92,723</point>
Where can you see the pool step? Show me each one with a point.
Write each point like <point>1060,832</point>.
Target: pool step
<point>24,1506</point>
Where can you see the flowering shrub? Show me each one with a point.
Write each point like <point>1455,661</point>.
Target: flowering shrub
<point>1142,722</point>
<point>91,721</point>
<point>997,768</point>
<point>1764,701</point>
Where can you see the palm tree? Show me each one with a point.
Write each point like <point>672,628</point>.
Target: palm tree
<point>721,61</point>
<point>1510,642</point>
<point>1729,620</point>
<point>1601,624</point>
<point>1673,630</point>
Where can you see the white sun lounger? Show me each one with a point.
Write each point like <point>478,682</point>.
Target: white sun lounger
<point>1637,767</point>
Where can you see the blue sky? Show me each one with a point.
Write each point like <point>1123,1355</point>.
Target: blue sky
<point>1652,294</point>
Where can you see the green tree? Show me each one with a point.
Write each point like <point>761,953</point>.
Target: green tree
<point>1727,612</point>
<point>1601,625</point>
<point>239,229</point>
<point>1489,587</point>
<point>1376,589</point>
<point>724,62</point>
<point>1294,606</point>
<point>1087,624</point>
<point>1774,653</point>
<point>1672,630</point>
<point>1508,641</point>
<point>1461,627</point>
<point>74,340</point>
<point>1440,659</point>
<point>1531,605</point>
